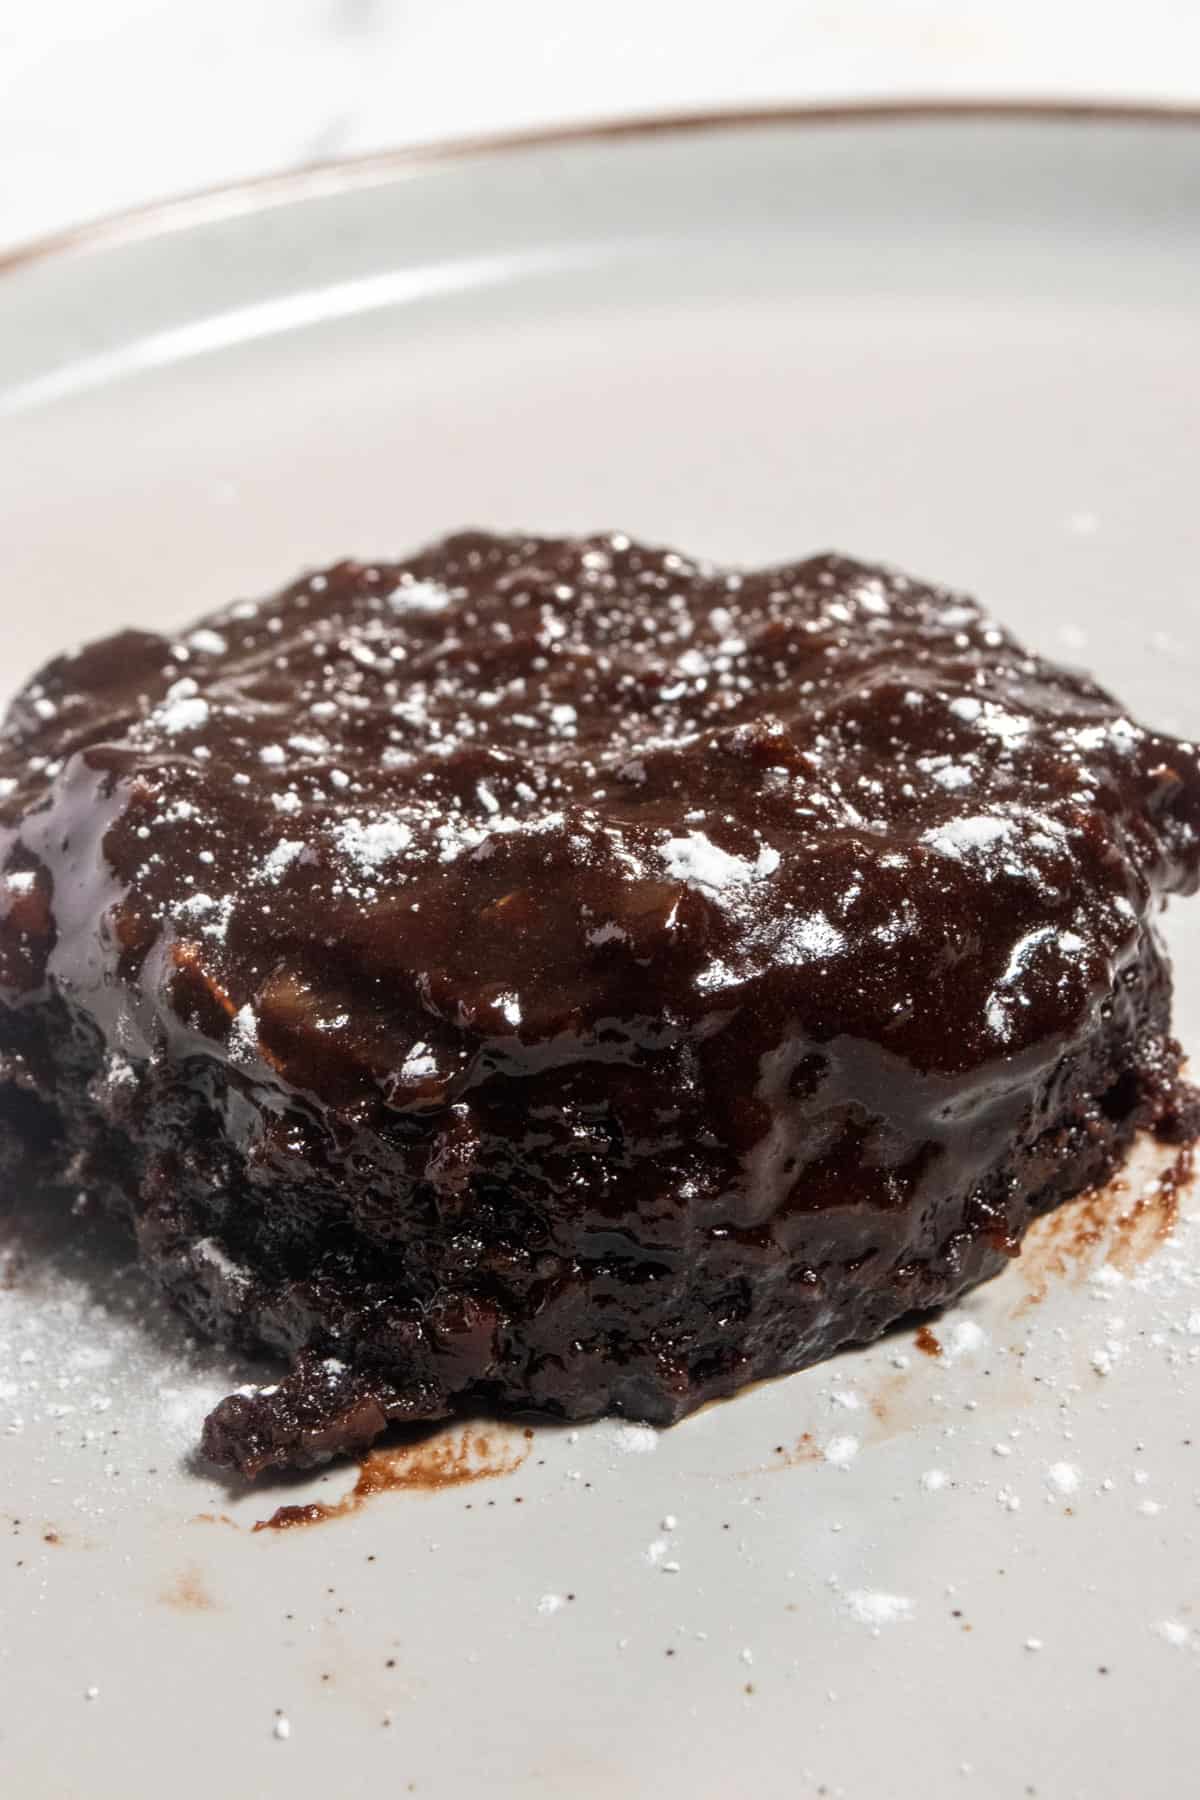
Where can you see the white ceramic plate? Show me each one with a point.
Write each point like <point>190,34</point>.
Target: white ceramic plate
<point>967,344</point>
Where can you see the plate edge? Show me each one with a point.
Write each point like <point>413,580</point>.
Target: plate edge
<point>228,200</point>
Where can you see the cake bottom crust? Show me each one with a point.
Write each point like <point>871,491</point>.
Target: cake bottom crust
<point>372,1345</point>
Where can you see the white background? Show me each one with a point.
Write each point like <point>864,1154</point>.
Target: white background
<point>109,103</point>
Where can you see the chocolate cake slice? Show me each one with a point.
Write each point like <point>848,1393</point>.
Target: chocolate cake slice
<point>559,974</point>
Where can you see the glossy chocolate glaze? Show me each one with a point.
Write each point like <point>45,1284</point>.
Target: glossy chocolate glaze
<point>549,940</point>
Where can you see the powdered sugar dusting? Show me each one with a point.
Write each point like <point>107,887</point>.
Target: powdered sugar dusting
<point>841,1451</point>
<point>372,843</point>
<point>184,712</point>
<point>697,860</point>
<point>419,597</point>
<point>870,1607</point>
<point>1063,1477</point>
<point>637,1440</point>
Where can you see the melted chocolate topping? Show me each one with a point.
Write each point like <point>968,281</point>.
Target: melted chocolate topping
<point>518,802</point>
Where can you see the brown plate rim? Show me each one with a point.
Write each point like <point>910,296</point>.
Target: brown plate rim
<point>227,200</point>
